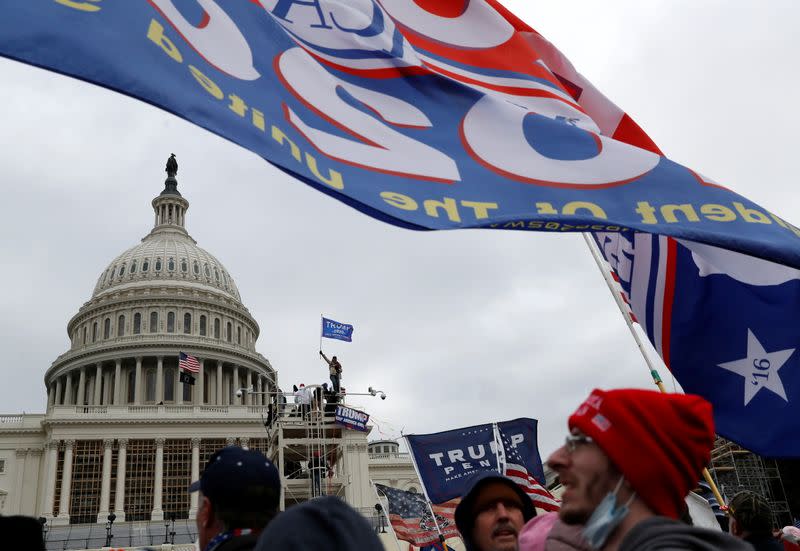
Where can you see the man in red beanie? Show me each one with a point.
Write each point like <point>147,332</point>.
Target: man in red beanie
<point>629,461</point>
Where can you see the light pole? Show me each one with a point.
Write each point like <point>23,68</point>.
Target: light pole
<point>43,522</point>
<point>109,536</point>
<point>379,510</point>
<point>172,529</point>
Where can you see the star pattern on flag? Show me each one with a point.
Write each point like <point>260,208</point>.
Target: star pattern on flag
<point>759,368</point>
<point>411,516</point>
<point>515,469</point>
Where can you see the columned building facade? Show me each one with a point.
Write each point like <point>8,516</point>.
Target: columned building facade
<point>123,435</point>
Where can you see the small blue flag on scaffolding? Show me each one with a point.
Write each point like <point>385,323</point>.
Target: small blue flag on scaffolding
<point>332,329</point>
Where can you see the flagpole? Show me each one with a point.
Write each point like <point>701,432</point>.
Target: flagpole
<point>321,317</point>
<point>497,444</point>
<point>601,264</point>
<point>425,492</point>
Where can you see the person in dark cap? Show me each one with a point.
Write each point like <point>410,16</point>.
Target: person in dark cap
<point>492,512</point>
<point>751,520</point>
<point>239,495</point>
<point>324,524</point>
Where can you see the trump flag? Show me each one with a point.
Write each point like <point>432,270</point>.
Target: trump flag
<point>446,461</point>
<point>429,114</point>
<point>727,327</point>
<point>332,329</point>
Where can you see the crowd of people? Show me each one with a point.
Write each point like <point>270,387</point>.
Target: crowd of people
<point>321,398</point>
<point>629,460</point>
<point>626,466</point>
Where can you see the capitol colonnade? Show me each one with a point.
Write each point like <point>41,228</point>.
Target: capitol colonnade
<point>150,380</point>
<point>137,479</point>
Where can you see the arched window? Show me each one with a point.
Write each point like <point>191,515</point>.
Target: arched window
<point>121,326</point>
<point>170,322</point>
<point>238,335</point>
<point>184,265</point>
<point>158,264</point>
<point>187,323</point>
<point>145,265</point>
<point>107,328</point>
<point>216,328</point>
<point>224,279</point>
<point>153,322</point>
<point>206,270</point>
<point>103,279</point>
<point>228,332</point>
<point>113,272</point>
<point>216,274</point>
<point>131,386</point>
<point>169,385</point>
<point>171,264</point>
<point>133,267</point>
<point>202,326</point>
<point>196,267</point>
<point>122,270</point>
<point>94,331</point>
<point>150,386</point>
<point>137,323</point>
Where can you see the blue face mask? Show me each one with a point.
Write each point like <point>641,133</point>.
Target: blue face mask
<point>605,518</point>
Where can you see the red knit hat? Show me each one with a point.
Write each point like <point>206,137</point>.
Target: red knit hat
<point>660,442</point>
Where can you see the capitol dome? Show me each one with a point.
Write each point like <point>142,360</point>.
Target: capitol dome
<point>166,256</point>
<point>163,297</point>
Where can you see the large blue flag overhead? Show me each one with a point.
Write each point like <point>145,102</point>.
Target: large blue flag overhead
<point>430,114</point>
<point>726,325</point>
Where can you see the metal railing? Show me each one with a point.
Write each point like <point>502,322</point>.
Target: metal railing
<point>127,534</point>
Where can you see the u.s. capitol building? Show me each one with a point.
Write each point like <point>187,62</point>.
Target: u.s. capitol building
<point>122,437</point>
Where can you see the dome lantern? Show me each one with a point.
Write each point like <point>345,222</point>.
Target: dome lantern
<point>170,207</point>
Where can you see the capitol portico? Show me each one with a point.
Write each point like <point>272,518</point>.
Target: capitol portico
<point>122,435</point>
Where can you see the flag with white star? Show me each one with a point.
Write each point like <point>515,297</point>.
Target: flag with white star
<point>411,516</point>
<point>727,325</point>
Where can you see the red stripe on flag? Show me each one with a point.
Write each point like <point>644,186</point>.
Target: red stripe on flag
<point>669,297</point>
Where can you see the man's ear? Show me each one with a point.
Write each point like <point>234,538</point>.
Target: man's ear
<point>205,513</point>
<point>733,527</point>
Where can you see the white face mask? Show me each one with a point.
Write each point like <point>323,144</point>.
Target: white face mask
<point>605,518</point>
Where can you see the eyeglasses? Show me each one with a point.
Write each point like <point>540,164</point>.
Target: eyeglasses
<point>572,440</point>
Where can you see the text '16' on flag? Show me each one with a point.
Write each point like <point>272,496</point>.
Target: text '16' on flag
<point>727,327</point>
<point>188,363</point>
<point>411,517</point>
<point>332,329</point>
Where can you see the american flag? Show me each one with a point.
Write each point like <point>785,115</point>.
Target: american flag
<point>188,363</point>
<point>411,517</point>
<point>514,468</point>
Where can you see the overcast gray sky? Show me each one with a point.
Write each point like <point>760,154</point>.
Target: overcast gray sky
<point>458,327</point>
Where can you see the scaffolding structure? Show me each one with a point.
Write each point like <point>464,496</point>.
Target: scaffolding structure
<point>316,456</point>
<point>736,469</point>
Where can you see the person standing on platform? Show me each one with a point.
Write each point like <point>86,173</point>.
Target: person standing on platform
<point>335,370</point>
